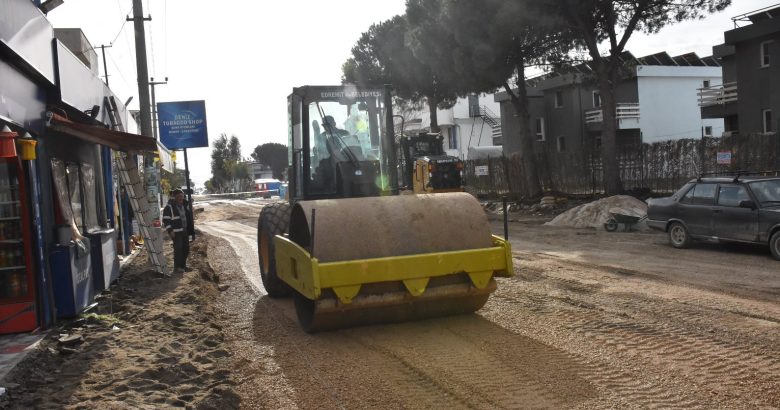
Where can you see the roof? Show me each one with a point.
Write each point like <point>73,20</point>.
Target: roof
<point>628,60</point>
<point>754,25</point>
<point>117,140</point>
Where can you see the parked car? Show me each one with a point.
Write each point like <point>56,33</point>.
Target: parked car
<point>735,209</point>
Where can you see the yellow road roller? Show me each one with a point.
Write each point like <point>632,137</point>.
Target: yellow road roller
<point>346,246</point>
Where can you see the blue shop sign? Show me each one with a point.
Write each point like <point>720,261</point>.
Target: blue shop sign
<point>183,124</point>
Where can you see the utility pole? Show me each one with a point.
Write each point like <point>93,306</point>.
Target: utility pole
<point>154,117</point>
<point>103,48</point>
<point>143,71</point>
<point>154,104</point>
<point>189,190</point>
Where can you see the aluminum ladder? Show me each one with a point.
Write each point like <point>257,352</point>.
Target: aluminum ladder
<point>134,187</point>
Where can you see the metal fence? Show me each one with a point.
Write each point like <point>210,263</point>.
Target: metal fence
<point>659,167</point>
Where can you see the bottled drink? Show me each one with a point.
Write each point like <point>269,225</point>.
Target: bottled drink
<point>14,285</point>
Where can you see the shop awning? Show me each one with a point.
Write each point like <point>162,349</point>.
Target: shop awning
<point>116,140</point>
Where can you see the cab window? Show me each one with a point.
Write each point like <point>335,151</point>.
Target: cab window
<point>732,195</point>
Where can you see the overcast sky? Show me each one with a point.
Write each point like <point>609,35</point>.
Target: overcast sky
<point>244,57</point>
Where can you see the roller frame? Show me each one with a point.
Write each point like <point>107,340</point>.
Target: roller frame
<point>309,277</point>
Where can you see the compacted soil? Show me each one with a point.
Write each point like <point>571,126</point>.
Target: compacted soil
<point>591,320</point>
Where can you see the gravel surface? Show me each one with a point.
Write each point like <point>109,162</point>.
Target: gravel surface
<point>592,320</point>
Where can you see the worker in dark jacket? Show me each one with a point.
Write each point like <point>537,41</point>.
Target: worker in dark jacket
<point>176,224</point>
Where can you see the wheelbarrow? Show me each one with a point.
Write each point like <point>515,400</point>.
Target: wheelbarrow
<point>618,218</point>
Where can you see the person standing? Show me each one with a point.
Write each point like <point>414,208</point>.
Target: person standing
<point>176,224</point>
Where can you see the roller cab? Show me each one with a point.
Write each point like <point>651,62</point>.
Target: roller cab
<point>347,247</point>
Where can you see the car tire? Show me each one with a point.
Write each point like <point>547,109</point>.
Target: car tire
<point>611,225</point>
<point>774,245</point>
<point>678,236</point>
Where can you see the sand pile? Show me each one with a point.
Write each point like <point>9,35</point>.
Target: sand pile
<point>594,214</point>
<point>151,342</point>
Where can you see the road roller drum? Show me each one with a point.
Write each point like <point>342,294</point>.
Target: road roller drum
<point>346,246</point>
<point>370,260</point>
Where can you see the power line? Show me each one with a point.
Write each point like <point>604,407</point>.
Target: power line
<point>119,70</point>
<point>165,34</point>
<point>119,32</point>
<point>151,41</point>
<point>124,19</point>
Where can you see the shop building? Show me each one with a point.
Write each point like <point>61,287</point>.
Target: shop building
<point>61,208</point>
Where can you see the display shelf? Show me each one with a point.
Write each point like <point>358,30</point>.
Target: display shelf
<point>7,268</point>
<point>10,218</point>
<point>9,203</point>
<point>11,241</point>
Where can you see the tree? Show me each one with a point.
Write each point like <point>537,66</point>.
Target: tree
<point>614,21</point>
<point>227,171</point>
<point>494,42</point>
<point>170,181</point>
<point>273,155</point>
<point>219,155</point>
<point>382,56</point>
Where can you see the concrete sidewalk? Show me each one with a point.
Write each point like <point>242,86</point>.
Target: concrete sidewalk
<point>14,348</point>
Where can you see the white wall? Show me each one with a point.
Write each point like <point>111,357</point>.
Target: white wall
<point>669,106</point>
<point>461,108</point>
<point>470,131</point>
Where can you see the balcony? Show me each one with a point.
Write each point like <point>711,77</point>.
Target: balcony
<point>717,94</point>
<point>718,101</point>
<point>627,115</point>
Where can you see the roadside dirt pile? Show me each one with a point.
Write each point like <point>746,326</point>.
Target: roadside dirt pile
<point>151,342</point>
<point>594,214</point>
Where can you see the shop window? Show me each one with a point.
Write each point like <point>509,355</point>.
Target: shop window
<point>90,198</point>
<point>74,193</point>
<point>74,186</point>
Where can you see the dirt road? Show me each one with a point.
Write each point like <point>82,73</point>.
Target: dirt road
<point>592,320</point>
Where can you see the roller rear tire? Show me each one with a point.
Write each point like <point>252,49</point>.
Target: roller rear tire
<point>274,220</point>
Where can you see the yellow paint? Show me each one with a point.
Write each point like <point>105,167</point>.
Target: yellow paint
<point>422,184</point>
<point>309,277</point>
